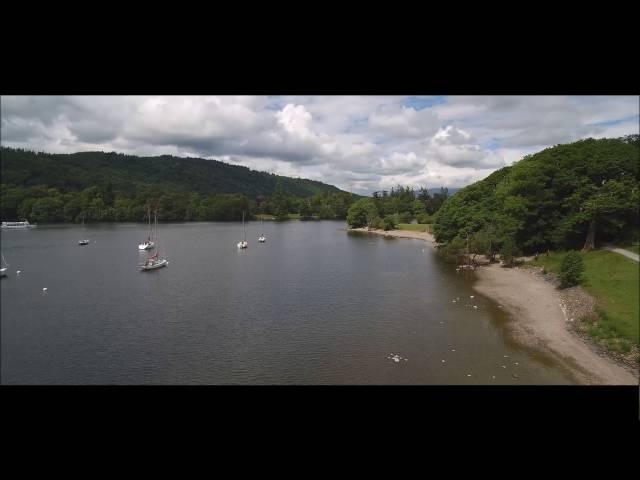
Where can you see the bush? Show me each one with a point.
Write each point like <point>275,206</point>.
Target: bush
<point>377,223</point>
<point>404,217</point>
<point>389,222</point>
<point>424,218</point>
<point>571,270</point>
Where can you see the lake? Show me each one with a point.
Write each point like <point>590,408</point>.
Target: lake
<point>313,305</point>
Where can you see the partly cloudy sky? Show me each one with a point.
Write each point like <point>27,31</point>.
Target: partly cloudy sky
<point>358,143</point>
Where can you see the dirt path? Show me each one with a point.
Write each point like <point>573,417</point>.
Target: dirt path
<point>626,253</point>
<point>539,321</point>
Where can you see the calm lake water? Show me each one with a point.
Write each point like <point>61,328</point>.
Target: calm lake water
<point>312,305</point>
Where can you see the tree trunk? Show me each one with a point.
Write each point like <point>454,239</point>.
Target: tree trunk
<point>589,243</point>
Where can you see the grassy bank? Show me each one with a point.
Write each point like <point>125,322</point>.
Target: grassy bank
<point>613,280</point>
<point>414,227</point>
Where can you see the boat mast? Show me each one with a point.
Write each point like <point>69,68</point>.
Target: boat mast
<point>156,233</point>
<point>244,239</point>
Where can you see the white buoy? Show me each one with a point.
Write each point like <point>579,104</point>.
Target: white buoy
<point>18,272</point>
<point>475,307</point>
<point>468,374</point>
<point>443,361</point>
<point>453,349</point>
<point>506,356</point>
<point>44,289</point>
<point>470,296</point>
<point>504,366</point>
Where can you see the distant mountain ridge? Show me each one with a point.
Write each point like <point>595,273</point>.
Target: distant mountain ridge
<point>77,171</point>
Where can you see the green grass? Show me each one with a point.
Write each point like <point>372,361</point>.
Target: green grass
<point>414,227</point>
<point>264,216</point>
<point>613,280</point>
<point>294,216</point>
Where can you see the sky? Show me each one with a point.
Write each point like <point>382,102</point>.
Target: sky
<point>357,143</point>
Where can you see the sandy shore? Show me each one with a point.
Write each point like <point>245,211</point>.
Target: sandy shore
<point>398,233</point>
<point>538,321</point>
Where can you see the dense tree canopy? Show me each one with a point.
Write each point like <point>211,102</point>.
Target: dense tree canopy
<point>567,196</point>
<point>387,208</point>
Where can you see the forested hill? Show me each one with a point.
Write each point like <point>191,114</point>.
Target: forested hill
<point>127,173</point>
<point>567,196</point>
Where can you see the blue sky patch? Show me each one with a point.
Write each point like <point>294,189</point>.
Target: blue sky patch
<point>608,123</point>
<point>491,144</point>
<point>420,103</point>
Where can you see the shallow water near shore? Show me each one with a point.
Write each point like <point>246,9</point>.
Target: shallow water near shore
<point>313,305</point>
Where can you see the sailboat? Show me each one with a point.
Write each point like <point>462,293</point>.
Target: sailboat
<point>243,243</point>
<point>261,238</point>
<point>154,261</point>
<point>3,269</point>
<point>148,244</point>
<point>83,241</point>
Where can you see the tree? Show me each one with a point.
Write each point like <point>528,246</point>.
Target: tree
<point>362,213</point>
<point>508,251</point>
<point>571,269</point>
<point>305,210</point>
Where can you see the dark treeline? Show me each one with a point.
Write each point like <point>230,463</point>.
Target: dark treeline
<point>564,197</point>
<point>111,187</point>
<point>400,205</point>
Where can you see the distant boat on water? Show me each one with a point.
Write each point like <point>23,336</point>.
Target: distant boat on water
<point>261,238</point>
<point>243,243</point>
<point>154,261</point>
<point>83,241</point>
<point>148,244</point>
<point>24,224</point>
<point>3,267</point>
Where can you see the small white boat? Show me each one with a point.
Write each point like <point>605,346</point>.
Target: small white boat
<point>261,238</point>
<point>24,224</point>
<point>3,269</point>
<point>243,243</point>
<point>83,241</point>
<point>154,261</point>
<point>148,244</point>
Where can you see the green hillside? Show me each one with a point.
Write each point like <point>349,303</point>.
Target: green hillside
<point>564,197</point>
<point>112,187</point>
<point>77,171</point>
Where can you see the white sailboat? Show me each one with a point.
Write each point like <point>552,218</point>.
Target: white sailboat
<point>154,261</point>
<point>3,267</point>
<point>148,244</point>
<point>243,243</point>
<point>84,241</point>
<point>261,238</point>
